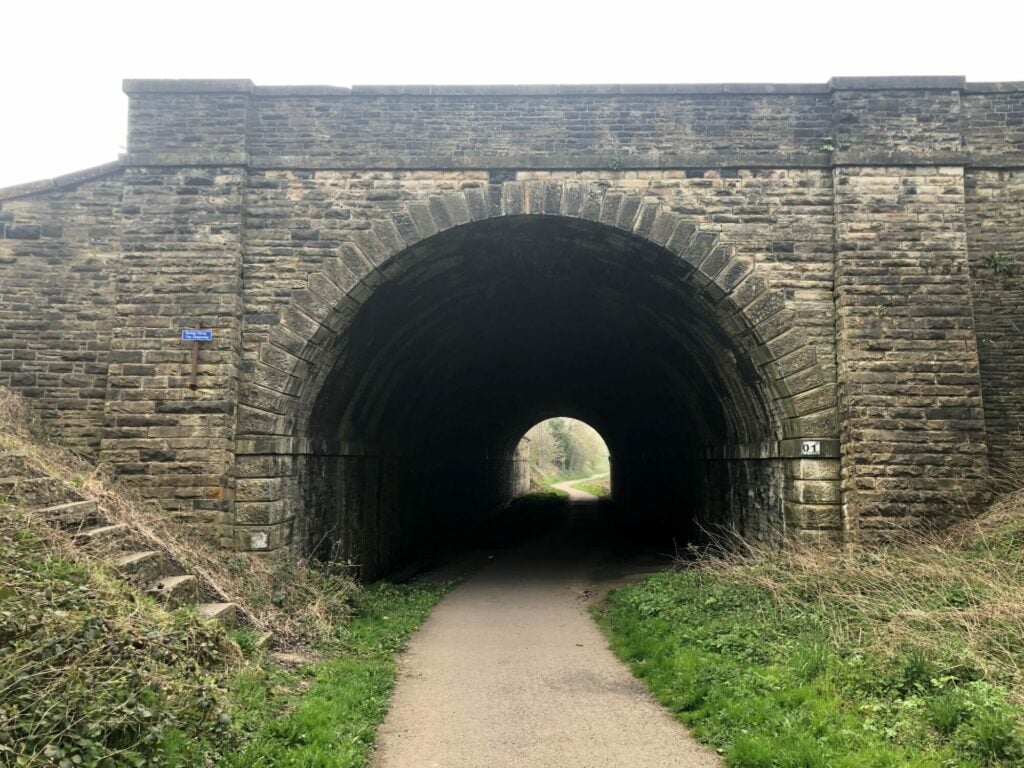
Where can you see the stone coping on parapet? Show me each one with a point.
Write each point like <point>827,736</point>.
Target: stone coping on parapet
<point>60,182</point>
<point>247,87</point>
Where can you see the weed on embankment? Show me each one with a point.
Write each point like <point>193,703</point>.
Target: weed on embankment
<point>904,656</point>
<point>92,674</point>
<point>326,714</point>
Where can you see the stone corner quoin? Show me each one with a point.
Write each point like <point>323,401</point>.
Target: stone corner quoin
<point>846,258</point>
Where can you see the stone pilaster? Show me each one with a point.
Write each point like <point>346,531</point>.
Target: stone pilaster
<point>912,427</point>
<point>181,267</point>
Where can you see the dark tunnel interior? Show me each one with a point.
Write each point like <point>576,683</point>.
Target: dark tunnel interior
<point>478,333</point>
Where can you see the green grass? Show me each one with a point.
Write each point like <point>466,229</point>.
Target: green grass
<point>325,714</point>
<point>909,657</point>
<point>543,484</point>
<point>93,675</point>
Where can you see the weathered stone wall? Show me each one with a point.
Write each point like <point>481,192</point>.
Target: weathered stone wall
<point>179,267</point>
<point>993,132</point>
<point>478,127</point>
<point>995,236</point>
<point>367,128</point>
<point>521,468</point>
<point>994,190</point>
<point>913,430</point>
<point>300,224</point>
<point>859,241</point>
<point>324,257</point>
<point>59,249</point>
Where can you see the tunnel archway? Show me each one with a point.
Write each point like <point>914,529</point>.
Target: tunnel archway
<point>475,334</point>
<point>560,449</point>
<point>385,407</point>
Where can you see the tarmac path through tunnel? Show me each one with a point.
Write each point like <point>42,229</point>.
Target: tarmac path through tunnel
<point>511,670</point>
<point>575,494</point>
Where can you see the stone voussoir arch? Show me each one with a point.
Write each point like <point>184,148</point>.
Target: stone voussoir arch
<point>292,363</point>
<point>276,401</point>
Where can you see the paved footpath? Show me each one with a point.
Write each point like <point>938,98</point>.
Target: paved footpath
<point>510,670</point>
<point>575,494</point>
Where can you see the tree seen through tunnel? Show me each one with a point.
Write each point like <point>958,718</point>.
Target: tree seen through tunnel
<point>561,449</point>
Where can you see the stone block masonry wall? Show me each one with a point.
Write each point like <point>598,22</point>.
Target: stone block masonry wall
<point>995,234</point>
<point>368,128</point>
<point>180,266</point>
<point>994,116</point>
<point>912,427</point>
<point>300,224</point>
<point>59,249</point>
<point>197,125</point>
<point>892,124</point>
<point>994,123</point>
<point>779,220</point>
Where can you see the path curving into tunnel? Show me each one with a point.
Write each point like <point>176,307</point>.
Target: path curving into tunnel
<point>574,493</point>
<point>510,671</point>
<point>463,341</point>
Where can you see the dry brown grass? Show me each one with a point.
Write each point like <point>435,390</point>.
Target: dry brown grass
<point>297,601</point>
<point>14,414</point>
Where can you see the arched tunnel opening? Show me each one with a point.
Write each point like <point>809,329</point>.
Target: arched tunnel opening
<point>560,452</point>
<point>465,340</point>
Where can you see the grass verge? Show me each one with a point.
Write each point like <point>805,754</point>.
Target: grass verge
<point>910,656</point>
<point>92,673</point>
<point>325,714</point>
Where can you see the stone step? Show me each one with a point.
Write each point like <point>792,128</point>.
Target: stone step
<point>175,590</point>
<point>143,567</point>
<point>18,465</point>
<point>223,613</point>
<point>104,533</point>
<point>73,514</point>
<point>36,491</point>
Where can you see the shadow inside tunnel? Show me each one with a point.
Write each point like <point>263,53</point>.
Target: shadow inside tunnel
<point>600,536</point>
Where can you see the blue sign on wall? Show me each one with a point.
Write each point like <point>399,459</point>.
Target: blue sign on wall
<point>196,335</point>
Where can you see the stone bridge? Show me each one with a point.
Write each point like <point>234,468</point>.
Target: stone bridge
<point>791,310</point>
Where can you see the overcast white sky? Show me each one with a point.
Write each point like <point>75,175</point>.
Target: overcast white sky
<point>61,63</point>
